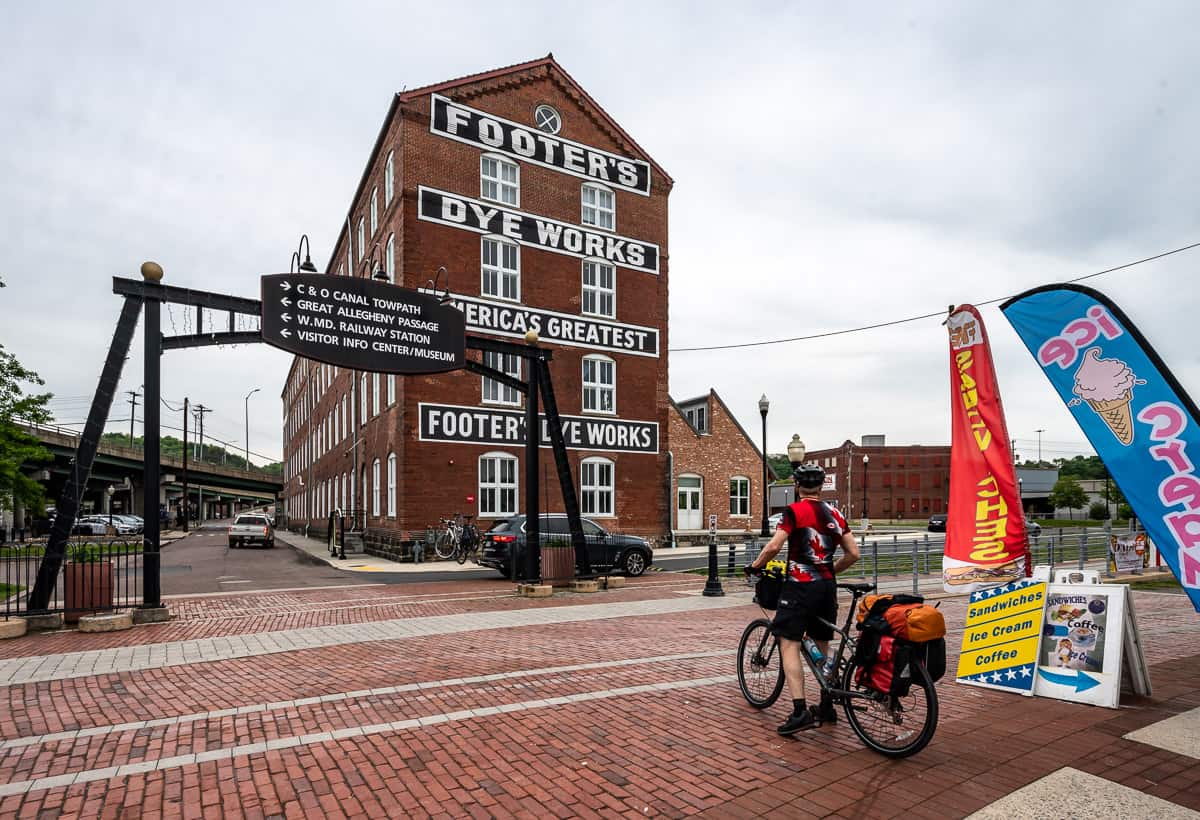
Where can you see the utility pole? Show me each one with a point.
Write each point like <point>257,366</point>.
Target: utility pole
<point>1039,432</point>
<point>187,501</point>
<point>201,410</point>
<point>133,403</point>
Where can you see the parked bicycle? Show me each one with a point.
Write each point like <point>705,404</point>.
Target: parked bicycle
<point>892,725</point>
<point>457,539</point>
<point>468,542</point>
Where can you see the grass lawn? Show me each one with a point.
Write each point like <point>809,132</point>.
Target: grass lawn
<point>1152,580</point>
<point>9,589</point>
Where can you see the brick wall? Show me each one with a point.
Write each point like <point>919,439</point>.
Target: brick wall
<point>717,456</point>
<point>902,482</point>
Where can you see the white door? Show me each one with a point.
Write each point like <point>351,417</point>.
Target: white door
<point>691,503</point>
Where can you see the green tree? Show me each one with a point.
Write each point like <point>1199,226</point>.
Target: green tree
<point>1080,467</point>
<point>17,447</point>
<point>1067,493</point>
<point>778,465</point>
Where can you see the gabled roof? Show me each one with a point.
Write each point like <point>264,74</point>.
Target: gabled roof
<point>714,396</point>
<point>552,65</point>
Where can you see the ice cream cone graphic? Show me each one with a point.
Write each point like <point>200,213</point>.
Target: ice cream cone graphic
<point>1107,386</point>
<point>1117,416</point>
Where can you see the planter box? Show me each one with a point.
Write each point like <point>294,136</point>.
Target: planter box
<point>88,588</point>
<point>558,565</point>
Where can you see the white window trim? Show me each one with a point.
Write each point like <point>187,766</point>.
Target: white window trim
<point>503,241</point>
<point>362,237</point>
<point>391,389</point>
<point>389,179</point>
<point>391,485</point>
<point>611,489</point>
<point>390,258</point>
<point>582,368</point>
<point>374,210</point>
<point>483,380</point>
<point>749,492</point>
<point>365,406</point>
<point>374,394</point>
<point>516,485</point>
<point>500,158</point>
<point>375,488</point>
<point>598,187</point>
<point>584,287</point>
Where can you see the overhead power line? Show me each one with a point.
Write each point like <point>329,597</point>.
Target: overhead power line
<point>937,314</point>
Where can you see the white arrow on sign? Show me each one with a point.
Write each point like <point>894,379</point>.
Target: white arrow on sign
<point>285,285</point>
<point>287,317</point>
<point>286,302</point>
<point>284,332</point>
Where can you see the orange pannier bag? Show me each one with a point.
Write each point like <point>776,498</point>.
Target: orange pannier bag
<point>908,617</point>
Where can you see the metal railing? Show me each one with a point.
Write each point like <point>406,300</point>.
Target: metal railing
<point>99,575</point>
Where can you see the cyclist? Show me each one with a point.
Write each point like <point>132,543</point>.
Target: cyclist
<point>812,530</point>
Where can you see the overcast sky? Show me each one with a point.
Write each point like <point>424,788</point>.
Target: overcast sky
<point>833,169</point>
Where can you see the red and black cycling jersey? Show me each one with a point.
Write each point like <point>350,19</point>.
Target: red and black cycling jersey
<point>815,530</point>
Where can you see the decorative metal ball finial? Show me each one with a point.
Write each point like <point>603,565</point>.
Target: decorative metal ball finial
<point>531,337</point>
<point>152,271</point>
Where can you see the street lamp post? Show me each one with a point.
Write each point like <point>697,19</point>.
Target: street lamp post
<point>763,406</point>
<point>1021,493</point>
<point>248,395</point>
<point>795,451</point>
<point>866,522</point>
<point>109,492</point>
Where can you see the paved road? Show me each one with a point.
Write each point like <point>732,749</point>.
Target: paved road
<point>203,563</point>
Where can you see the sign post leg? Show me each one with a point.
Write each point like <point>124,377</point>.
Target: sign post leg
<point>533,436</point>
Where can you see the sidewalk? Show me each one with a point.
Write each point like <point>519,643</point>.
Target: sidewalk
<point>459,698</point>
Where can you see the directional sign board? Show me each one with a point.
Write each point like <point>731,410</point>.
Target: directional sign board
<point>361,324</point>
<point>1001,635</point>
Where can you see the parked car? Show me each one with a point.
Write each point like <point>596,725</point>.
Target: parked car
<point>251,529</point>
<point>606,551</point>
<point>138,525</point>
<point>937,522</point>
<point>89,526</point>
<point>773,522</point>
<point>101,523</point>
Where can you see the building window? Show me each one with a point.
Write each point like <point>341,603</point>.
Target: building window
<point>599,385</point>
<point>497,485</point>
<point>349,254</point>
<point>362,419</point>
<point>493,391</point>
<point>362,237</point>
<point>596,487</point>
<point>599,206</point>
<point>547,119</point>
<point>374,210</point>
<point>342,493</point>
<point>739,496</point>
<point>375,488</point>
<point>501,269</point>
<point>499,180</point>
<point>390,258</point>
<point>391,389</point>
<point>389,179</point>
<point>391,486</point>
<point>599,289</point>
<point>374,394</point>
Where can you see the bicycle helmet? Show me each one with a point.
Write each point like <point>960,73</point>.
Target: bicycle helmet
<point>809,475</point>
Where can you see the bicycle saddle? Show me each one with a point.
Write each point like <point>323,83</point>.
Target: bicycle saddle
<point>857,587</point>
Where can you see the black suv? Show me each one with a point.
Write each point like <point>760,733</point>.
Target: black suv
<point>606,551</point>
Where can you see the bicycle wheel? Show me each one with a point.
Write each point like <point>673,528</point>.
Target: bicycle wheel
<point>894,726</point>
<point>759,667</point>
<point>445,545</point>
<point>460,553</point>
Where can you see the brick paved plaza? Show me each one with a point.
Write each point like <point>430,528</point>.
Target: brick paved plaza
<point>459,699</point>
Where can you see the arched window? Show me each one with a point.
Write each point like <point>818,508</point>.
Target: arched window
<point>500,268</point>
<point>497,485</point>
<point>598,206</point>
<point>390,257</point>
<point>374,210</point>
<point>375,394</point>
<point>375,488</point>
<point>596,487</point>
<point>362,237</point>
<point>391,485</point>
<point>389,179</point>
<point>739,496</point>
<point>391,396</point>
<point>599,385</point>
<point>499,179</point>
<point>362,419</point>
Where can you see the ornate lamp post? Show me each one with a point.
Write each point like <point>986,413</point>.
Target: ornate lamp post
<point>109,492</point>
<point>796,451</point>
<point>763,407</point>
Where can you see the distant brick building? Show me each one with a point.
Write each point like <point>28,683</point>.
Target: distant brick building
<point>542,214</point>
<point>716,468</point>
<point>911,481</point>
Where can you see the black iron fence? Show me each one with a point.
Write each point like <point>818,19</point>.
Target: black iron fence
<point>98,575</point>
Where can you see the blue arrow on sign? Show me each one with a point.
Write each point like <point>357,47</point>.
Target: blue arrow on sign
<point>1080,681</point>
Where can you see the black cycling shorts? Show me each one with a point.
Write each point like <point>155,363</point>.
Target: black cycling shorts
<point>800,607</point>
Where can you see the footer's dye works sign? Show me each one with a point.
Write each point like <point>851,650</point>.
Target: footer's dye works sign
<point>1001,638</point>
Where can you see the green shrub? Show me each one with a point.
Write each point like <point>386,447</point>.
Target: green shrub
<point>1098,510</point>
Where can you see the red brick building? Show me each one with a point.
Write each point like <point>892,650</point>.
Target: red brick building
<point>901,482</point>
<point>516,192</point>
<point>716,468</point>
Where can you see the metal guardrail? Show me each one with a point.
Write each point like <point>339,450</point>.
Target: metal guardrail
<point>99,575</point>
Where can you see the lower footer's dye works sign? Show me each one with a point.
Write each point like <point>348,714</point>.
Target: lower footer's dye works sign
<point>1002,635</point>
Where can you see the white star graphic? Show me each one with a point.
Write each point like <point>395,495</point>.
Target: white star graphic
<point>995,677</point>
<point>1026,672</point>
<point>1012,674</point>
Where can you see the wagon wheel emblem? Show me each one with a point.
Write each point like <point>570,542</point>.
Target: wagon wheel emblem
<point>547,119</point>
